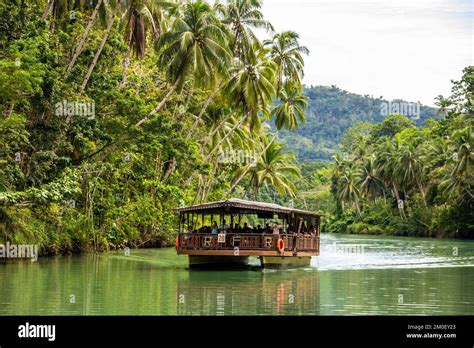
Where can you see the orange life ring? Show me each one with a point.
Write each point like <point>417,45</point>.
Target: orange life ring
<point>177,242</point>
<point>281,246</point>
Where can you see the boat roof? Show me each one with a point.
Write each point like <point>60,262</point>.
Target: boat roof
<point>235,205</point>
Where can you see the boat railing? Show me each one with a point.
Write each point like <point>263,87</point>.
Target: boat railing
<point>247,241</point>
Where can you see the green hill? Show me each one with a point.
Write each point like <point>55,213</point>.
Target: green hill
<point>332,111</point>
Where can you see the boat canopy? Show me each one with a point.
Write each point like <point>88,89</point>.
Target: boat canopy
<point>235,205</point>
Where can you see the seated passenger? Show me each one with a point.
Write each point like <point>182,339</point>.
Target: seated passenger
<point>214,227</point>
<point>268,229</point>
<point>246,229</point>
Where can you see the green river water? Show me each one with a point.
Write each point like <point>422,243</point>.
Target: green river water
<point>355,275</point>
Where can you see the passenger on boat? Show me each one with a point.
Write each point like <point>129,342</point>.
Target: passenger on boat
<point>276,228</point>
<point>214,228</point>
<point>224,227</point>
<point>246,229</point>
<point>268,229</point>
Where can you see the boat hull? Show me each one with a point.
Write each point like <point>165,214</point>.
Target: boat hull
<point>282,262</point>
<point>215,261</point>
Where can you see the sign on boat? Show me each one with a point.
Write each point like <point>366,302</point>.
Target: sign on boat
<point>228,232</point>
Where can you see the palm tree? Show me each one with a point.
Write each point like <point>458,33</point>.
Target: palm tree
<point>241,16</point>
<point>367,180</point>
<point>462,141</point>
<point>291,110</point>
<point>138,17</point>
<point>458,181</point>
<point>244,170</point>
<point>251,86</point>
<point>47,9</point>
<point>409,167</point>
<point>58,10</point>
<point>81,43</point>
<point>385,162</point>
<point>101,46</point>
<point>275,168</point>
<point>286,52</point>
<point>348,191</point>
<point>196,44</point>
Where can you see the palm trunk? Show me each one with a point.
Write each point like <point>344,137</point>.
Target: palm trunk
<point>203,110</point>
<point>198,192</point>
<point>113,145</point>
<point>250,166</point>
<point>170,169</point>
<point>99,51</point>
<point>218,128</point>
<point>238,124</point>
<point>397,197</point>
<point>359,214</point>
<point>217,146</point>
<point>47,9</point>
<point>167,96</point>
<point>422,190</point>
<point>162,103</point>
<point>84,37</point>
<point>126,63</point>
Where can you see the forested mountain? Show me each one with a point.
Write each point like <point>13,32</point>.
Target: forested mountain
<point>332,111</point>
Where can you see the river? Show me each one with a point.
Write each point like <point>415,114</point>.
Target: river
<point>355,275</point>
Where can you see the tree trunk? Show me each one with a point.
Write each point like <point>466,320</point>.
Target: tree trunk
<point>238,124</point>
<point>47,9</point>
<point>99,51</point>
<point>113,145</point>
<point>397,197</point>
<point>170,169</point>
<point>84,37</point>
<point>203,110</point>
<point>167,96</point>
<point>250,166</point>
<point>162,103</point>
<point>126,64</point>
<point>359,214</point>
<point>217,146</point>
<point>422,190</point>
<point>209,138</point>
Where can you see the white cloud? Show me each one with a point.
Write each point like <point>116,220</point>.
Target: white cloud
<point>391,48</point>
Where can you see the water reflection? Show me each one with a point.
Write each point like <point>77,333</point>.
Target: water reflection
<point>251,292</point>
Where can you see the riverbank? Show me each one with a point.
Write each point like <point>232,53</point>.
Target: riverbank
<point>57,231</point>
<point>361,228</point>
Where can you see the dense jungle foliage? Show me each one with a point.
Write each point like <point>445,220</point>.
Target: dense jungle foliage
<point>396,178</point>
<point>114,112</point>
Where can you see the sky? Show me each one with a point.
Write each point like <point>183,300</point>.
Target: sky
<point>397,49</point>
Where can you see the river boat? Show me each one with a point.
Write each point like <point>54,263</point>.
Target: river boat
<point>229,232</point>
